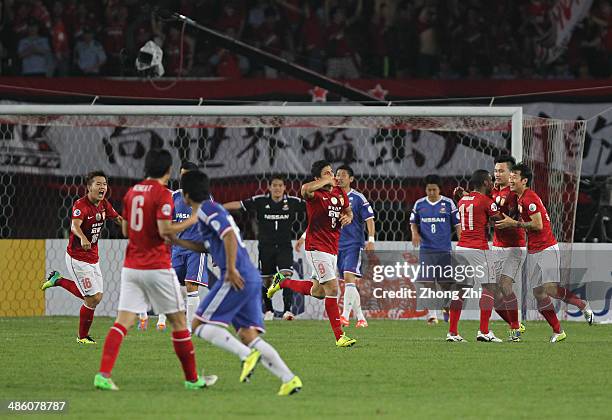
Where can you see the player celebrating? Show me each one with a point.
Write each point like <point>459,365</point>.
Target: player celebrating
<point>88,216</point>
<point>351,243</point>
<point>543,262</point>
<point>431,223</point>
<point>276,212</point>
<point>328,209</point>
<point>190,267</point>
<point>508,246</point>
<point>475,210</point>
<point>147,277</point>
<point>237,298</point>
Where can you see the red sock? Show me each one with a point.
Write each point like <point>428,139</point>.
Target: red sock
<point>455,313</point>
<point>111,348</point>
<point>300,286</point>
<point>70,286</point>
<point>568,297</point>
<point>86,317</point>
<point>502,311</point>
<point>486,307</point>
<point>183,347</point>
<point>333,313</point>
<point>511,304</point>
<point>546,308</point>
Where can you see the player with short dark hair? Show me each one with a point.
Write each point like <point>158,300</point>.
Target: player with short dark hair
<point>432,221</point>
<point>236,299</point>
<point>328,209</point>
<point>543,259</point>
<point>191,267</point>
<point>475,210</point>
<point>88,216</point>
<point>147,276</point>
<point>276,212</point>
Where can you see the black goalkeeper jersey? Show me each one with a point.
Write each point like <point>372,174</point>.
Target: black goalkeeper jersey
<point>275,219</point>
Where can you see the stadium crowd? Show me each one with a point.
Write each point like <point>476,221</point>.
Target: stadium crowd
<point>346,39</point>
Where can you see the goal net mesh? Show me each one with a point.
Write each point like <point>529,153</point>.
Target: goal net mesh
<point>45,158</point>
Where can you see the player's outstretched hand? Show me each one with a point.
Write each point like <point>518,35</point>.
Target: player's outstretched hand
<point>346,219</point>
<point>506,222</point>
<point>85,244</point>
<point>458,193</point>
<point>369,246</point>
<point>416,240</point>
<point>232,276</point>
<point>298,244</point>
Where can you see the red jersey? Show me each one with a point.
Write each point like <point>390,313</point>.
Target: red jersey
<point>475,209</point>
<point>93,218</point>
<point>143,205</point>
<point>507,203</point>
<point>323,210</point>
<point>537,240</point>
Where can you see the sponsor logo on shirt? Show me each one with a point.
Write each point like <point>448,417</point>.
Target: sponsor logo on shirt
<point>433,219</point>
<point>532,207</point>
<point>76,212</point>
<point>166,209</point>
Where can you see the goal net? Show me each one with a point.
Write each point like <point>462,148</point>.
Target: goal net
<point>47,150</point>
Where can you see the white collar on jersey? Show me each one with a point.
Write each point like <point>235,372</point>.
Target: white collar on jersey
<point>433,203</point>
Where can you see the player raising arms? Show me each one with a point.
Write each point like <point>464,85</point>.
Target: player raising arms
<point>508,248</point>
<point>191,267</point>
<point>328,209</point>
<point>235,299</point>
<point>88,216</point>
<point>475,210</point>
<point>431,224</point>
<point>543,258</point>
<point>147,277</point>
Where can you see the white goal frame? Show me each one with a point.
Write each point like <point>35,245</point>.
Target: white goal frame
<point>513,113</point>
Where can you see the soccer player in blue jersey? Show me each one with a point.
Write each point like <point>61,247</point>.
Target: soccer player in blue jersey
<point>190,267</point>
<point>236,298</point>
<point>352,242</point>
<point>431,223</point>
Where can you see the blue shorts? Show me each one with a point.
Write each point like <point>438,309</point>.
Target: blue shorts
<point>349,261</point>
<point>435,263</point>
<point>224,305</point>
<point>191,267</point>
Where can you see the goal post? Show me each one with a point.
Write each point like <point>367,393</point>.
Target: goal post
<point>46,150</point>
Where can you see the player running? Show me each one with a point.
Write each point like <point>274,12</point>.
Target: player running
<point>191,267</point>
<point>543,258</point>
<point>276,212</point>
<point>147,277</point>
<point>475,210</point>
<point>431,224</point>
<point>328,209</point>
<point>237,298</point>
<point>88,216</point>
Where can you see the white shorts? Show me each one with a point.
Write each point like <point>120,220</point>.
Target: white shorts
<point>508,261</point>
<point>86,276</point>
<point>544,266</point>
<point>159,289</point>
<point>482,265</point>
<point>323,264</point>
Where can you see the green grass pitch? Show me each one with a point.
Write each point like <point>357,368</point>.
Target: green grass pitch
<point>398,369</point>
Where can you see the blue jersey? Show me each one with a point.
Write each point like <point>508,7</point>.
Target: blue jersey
<point>214,223</point>
<point>182,212</point>
<point>352,235</point>
<point>435,222</point>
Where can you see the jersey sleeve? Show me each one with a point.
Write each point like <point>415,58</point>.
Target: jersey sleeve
<point>250,204</point>
<point>165,206</point>
<point>365,211</point>
<point>214,217</point>
<point>455,218</point>
<point>346,202</point>
<point>532,205</point>
<point>297,204</point>
<point>414,215</point>
<point>111,213</point>
<point>491,208</point>
<point>78,211</point>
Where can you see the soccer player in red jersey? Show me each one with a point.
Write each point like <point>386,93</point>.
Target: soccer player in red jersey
<point>475,210</point>
<point>508,249</point>
<point>88,216</point>
<point>543,259</point>
<point>147,277</point>
<point>328,209</point>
